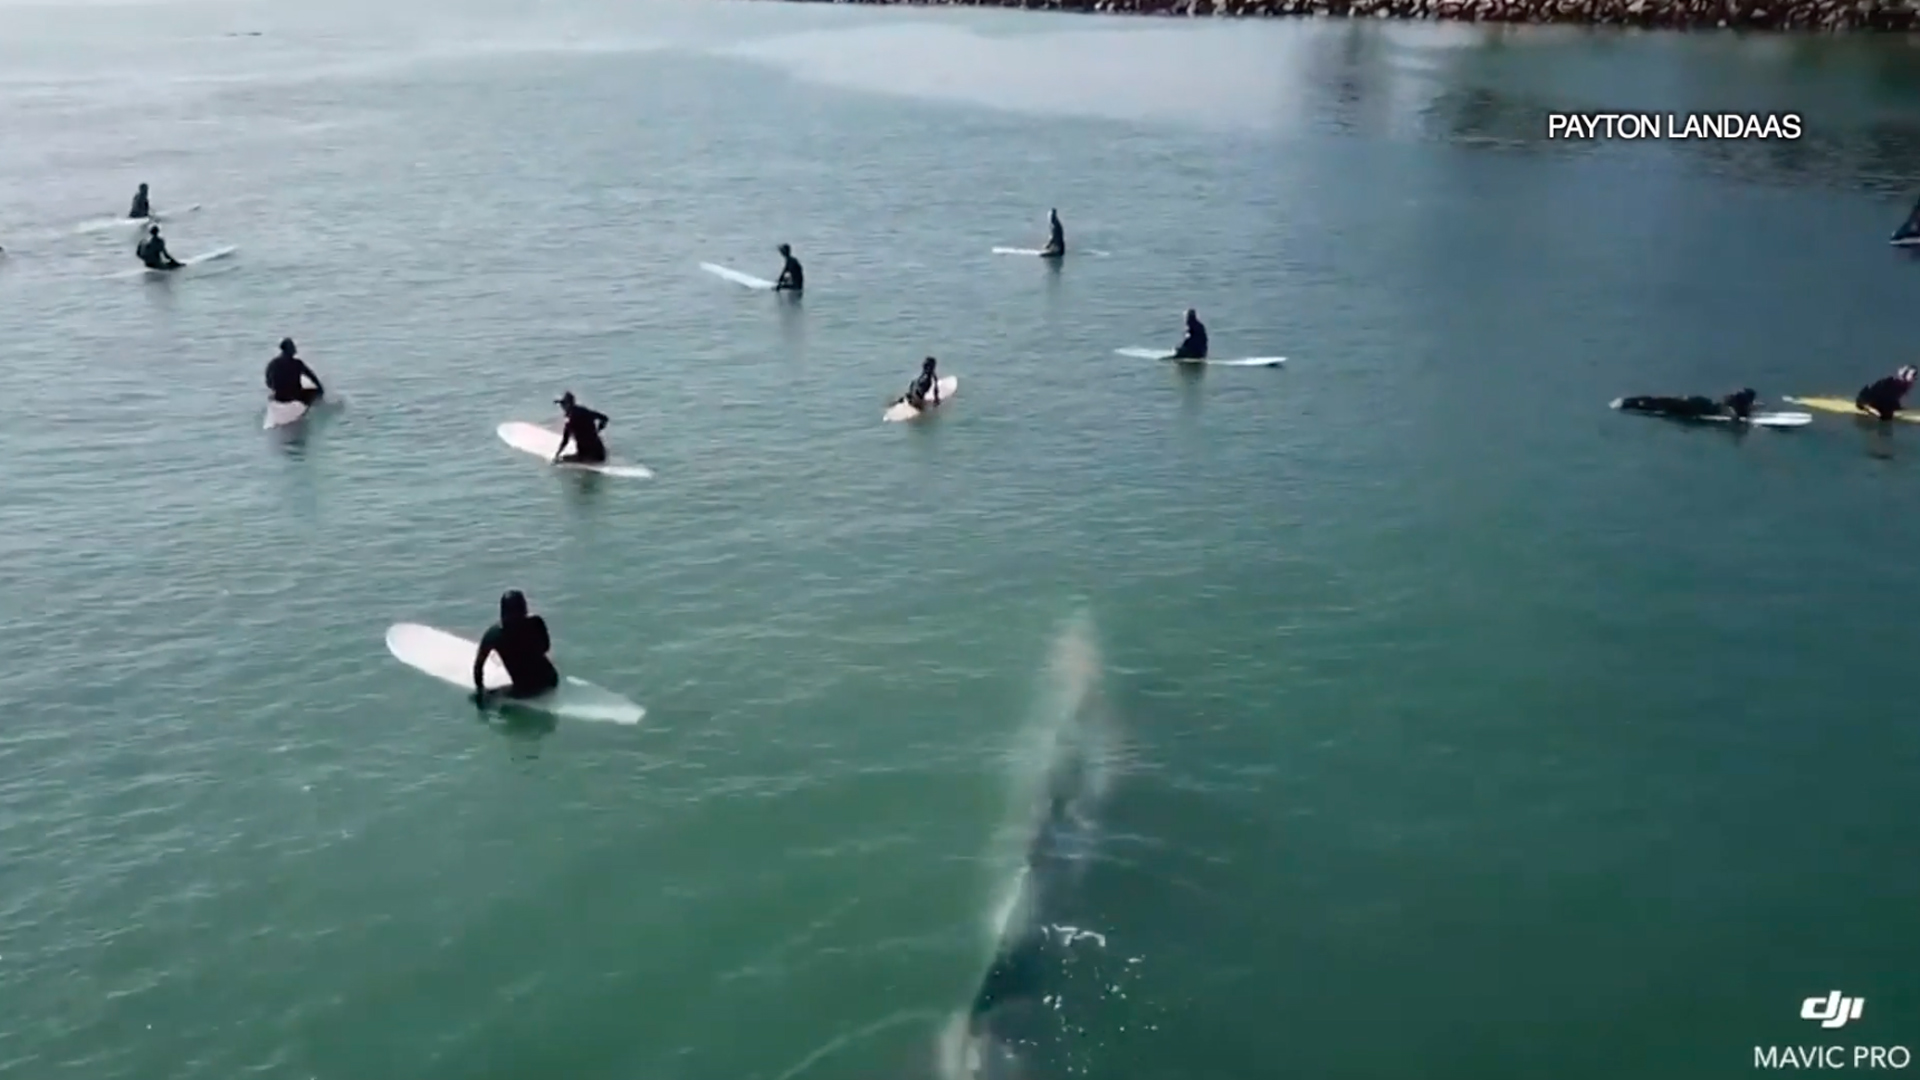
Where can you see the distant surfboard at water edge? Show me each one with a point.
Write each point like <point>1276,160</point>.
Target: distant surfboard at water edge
<point>735,276</point>
<point>1037,253</point>
<point>449,658</point>
<point>1167,355</point>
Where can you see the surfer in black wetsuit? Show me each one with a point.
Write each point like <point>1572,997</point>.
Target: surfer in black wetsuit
<point>926,383</point>
<point>1738,405</point>
<point>1056,237</point>
<point>522,643</point>
<point>288,375</point>
<point>153,252</point>
<point>140,207</point>
<point>1887,396</point>
<point>792,278</point>
<point>1195,345</point>
<point>583,431</point>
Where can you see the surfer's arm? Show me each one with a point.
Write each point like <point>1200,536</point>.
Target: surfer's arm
<point>318,386</point>
<point>599,420</point>
<point>480,656</point>
<point>566,436</point>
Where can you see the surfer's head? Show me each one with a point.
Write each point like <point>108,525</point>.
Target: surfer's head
<point>786,249</point>
<point>286,346</point>
<point>928,366</point>
<point>1908,374</point>
<point>565,400</point>
<point>513,606</point>
<point>1192,315</point>
<point>153,230</point>
<point>143,189</point>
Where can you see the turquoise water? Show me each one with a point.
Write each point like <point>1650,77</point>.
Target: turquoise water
<point>1451,724</point>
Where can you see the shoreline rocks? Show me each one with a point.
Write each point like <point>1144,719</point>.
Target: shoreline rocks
<point>1816,16</point>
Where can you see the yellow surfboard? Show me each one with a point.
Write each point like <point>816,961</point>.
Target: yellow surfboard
<point>1844,406</point>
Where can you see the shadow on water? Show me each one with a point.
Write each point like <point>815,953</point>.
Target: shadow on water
<point>793,324</point>
<point>522,728</point>
<point>584,491</point>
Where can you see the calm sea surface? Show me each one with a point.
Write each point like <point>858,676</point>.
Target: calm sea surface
<point>1418,716</point>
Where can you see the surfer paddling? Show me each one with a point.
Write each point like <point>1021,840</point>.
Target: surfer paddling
<point>287,377</point>
<point>1887,396</point>
<point>520,639</point>
<point>792,277</point>
<point>141,208</point>
<point>583,428</point>
<point>1056,237</point>
<point>153,252</point>
<point>1194,346</point>
<point>1738,406</point>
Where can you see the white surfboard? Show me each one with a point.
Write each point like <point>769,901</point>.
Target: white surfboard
<point>736,276</point>
<point>199,260</point>
<point>449,658</point>
<point>1167,354</point>
<point>1764,419</point>
<point>109,224</point>
<point>282,413</point>
<point>543,443</point>
<point>1035,252</point>
<point>900,410</point>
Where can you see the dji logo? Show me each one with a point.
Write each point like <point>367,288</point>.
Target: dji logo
<point>1833,1010</point>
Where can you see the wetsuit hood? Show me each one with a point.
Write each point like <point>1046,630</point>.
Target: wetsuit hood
<point>930,364</point>
<point>785,249</point>
<point>1907,374</point>
<point>287,347</point>
<point>565,399</point>
<point>513,606</point>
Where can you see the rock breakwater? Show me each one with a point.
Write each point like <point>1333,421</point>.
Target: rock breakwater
<point>1778,15</point>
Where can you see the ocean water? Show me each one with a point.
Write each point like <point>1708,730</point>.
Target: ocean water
<point>1400,712</point>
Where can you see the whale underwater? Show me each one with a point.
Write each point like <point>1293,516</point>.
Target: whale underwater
<point>1044,971</point>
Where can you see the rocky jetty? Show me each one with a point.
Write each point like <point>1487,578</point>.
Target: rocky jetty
<point>1790,15</point>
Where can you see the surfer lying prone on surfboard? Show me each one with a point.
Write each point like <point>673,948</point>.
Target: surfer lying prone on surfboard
<point>583,430</point>
<point>1739,405</point>
<point>521,641</point>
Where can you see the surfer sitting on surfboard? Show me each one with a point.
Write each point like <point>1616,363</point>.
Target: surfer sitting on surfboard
<point>141,208</point>
<point>1886,397</point>
<point>927,383</point>
<point>1738,405</point>
<point>521,641</point>
<point>583,430</point>
<point>287,377</point>
<point>1195,345</point>
<point>1056,237</point>
<point>792,278</point>
<point>153,252</point>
